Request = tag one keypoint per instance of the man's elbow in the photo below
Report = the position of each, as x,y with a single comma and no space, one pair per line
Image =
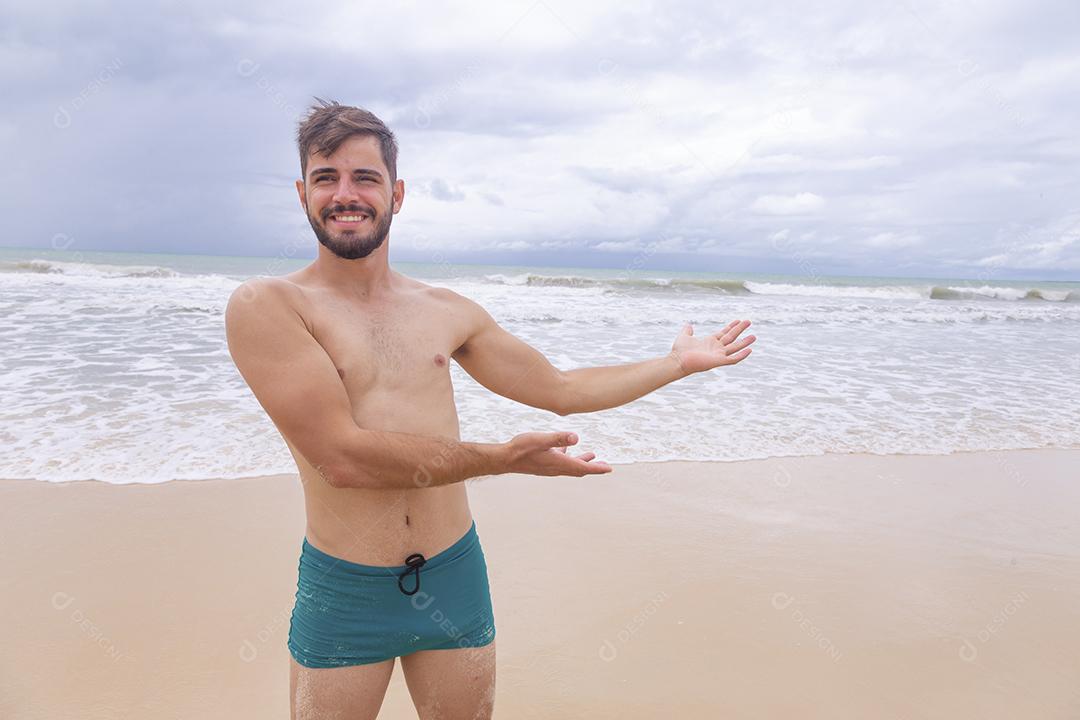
330,474
577,403
563,409
341,475
344,460
563,395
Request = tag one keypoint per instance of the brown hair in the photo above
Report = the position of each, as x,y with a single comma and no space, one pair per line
328,124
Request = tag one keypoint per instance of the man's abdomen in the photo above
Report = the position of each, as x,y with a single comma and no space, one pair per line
383,527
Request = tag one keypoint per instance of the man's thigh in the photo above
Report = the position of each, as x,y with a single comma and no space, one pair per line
454,684
355,692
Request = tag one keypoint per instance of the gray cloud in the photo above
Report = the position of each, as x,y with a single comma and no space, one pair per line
907,137
441,190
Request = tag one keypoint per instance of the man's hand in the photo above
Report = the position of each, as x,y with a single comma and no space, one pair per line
698,354
544,453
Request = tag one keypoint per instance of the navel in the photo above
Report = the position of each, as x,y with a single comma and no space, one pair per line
439,359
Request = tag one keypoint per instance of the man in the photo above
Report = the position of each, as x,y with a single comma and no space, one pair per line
350,359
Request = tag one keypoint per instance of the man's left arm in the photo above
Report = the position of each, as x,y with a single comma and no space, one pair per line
510,367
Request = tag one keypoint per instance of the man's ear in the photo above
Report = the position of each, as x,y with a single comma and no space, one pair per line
399,195
300,192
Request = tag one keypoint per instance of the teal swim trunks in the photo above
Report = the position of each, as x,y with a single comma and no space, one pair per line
352,614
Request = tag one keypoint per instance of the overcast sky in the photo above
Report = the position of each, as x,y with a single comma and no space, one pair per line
900,138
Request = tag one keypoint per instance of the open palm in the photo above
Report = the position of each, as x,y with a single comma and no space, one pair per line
705,352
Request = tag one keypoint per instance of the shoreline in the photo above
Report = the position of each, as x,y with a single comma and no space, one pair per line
771,458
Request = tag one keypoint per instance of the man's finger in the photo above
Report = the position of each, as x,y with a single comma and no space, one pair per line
734,332
563,439
721,333
732,359
736,347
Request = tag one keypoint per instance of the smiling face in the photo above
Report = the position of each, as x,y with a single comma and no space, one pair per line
349,199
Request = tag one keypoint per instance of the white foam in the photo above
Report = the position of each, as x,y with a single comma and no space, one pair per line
56,267
127,378
896,292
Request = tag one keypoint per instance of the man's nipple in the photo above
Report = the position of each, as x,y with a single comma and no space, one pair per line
439,359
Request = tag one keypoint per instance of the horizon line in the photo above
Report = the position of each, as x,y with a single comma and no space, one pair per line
279,256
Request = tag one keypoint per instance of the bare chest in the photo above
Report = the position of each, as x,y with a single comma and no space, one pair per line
394,361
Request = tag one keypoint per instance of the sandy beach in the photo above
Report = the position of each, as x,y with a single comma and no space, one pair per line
807,281
836,586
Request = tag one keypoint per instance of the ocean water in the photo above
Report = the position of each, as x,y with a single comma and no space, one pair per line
115,365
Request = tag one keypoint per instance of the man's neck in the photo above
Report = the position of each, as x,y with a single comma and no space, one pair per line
367,277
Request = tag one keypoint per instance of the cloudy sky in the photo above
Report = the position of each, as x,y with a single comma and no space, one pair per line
895,138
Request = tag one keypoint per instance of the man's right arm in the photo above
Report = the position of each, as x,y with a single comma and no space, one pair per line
297,384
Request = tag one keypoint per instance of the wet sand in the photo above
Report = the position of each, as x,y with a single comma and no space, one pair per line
842,586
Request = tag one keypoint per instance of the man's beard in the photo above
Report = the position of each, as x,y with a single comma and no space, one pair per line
351,244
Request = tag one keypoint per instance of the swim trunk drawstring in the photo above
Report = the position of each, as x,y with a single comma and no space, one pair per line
415,562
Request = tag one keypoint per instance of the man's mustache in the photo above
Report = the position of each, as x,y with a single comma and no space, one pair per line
351,209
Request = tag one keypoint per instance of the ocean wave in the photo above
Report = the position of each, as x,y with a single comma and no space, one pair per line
577,281
883,292
824,290
53,267
619,284
987,292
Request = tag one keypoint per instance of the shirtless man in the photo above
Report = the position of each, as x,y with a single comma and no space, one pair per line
350,359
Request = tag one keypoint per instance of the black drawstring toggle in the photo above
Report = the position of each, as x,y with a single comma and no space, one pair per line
415,562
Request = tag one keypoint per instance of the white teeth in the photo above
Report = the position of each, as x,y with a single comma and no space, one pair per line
349,218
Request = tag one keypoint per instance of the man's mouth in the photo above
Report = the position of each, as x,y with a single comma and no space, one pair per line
349,219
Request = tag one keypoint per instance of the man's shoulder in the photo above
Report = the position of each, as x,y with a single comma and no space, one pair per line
265,294
449,297
261,289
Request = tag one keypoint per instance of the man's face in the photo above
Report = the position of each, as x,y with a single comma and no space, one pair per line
348,197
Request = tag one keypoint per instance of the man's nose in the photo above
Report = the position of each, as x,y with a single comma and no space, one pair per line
345,192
